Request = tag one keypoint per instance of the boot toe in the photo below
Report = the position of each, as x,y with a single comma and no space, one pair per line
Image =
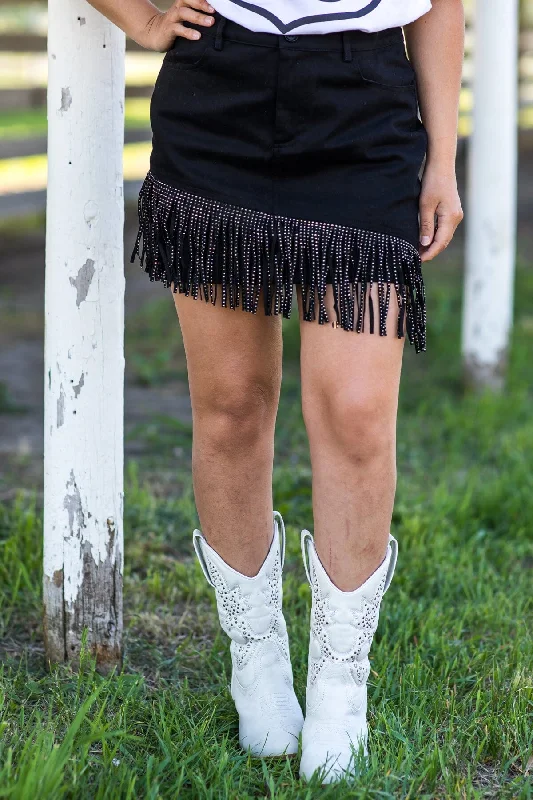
271,741
271,726
332,767
334,763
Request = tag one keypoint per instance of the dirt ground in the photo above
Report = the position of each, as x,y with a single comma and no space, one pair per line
22,271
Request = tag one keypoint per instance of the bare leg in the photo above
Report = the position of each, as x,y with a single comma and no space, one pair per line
350,385
234,365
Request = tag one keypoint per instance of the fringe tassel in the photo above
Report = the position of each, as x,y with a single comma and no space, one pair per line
190,241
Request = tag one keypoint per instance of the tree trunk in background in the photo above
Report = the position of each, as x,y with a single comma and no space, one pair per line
491,204
84,334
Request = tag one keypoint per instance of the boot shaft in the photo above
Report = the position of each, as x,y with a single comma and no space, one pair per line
343,623
249,608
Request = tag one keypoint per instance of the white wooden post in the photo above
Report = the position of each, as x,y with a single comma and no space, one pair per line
84,331
491,203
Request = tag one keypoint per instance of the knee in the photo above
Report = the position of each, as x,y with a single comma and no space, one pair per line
237,414
359,424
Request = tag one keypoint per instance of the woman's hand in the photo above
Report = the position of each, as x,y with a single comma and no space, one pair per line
435,43
440,211
162,28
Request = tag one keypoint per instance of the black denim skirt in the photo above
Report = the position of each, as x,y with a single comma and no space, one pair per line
281,160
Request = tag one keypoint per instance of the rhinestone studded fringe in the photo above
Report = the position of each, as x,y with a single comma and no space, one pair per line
187,241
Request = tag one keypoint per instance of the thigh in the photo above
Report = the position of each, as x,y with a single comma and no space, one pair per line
228,351
358,368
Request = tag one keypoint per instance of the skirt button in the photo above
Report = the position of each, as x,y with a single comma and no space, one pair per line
292,38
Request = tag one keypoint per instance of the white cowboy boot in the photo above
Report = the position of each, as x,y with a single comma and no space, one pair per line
250,612
342,629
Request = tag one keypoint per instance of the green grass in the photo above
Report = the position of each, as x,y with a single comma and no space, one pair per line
451,689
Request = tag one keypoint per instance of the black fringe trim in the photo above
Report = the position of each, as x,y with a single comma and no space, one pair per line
189,240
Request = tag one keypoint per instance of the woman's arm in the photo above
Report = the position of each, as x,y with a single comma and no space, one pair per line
154,29
435,44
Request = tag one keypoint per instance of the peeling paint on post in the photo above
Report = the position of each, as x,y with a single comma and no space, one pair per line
84,332
82,281
66,99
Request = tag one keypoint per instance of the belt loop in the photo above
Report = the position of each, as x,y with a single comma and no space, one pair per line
346,47
218,33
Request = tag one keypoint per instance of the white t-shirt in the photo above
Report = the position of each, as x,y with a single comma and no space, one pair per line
321,16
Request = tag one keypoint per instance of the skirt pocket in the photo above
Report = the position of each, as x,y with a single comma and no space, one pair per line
387,67
187,53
